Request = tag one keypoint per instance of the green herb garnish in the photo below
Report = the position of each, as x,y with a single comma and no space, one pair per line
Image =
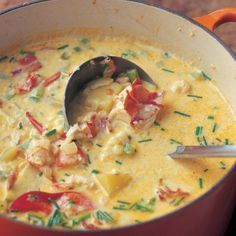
3,76
94,171
88,158
123,202
118,162
63,47
77,49
194,96
76,221
33,219
175,141
222,165
200,182
3,58
20,125
129,53
51,132
210,117
128,149
34,99
145,140
205,76
103,216
198,130
84,40
99,145
177,202
204,140
167,70
132,74
182,114
226,141
214,128
60,113
144,206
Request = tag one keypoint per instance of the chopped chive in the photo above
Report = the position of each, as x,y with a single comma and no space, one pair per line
60,113
194,96
79,219
200,182
103,216
118,162
40,174
205,170
167,70
138,221
65,56
179,201
226,141
12,59
23,52
20,125
84,40
123,202
214,128
63,47
128,149
52,219
157,123
89,160
51,132
175,141
3,58
162,129
129,53
182,114
167,55
222,165
34,98
66,174
199,140
219,140
95,171
210,117
204,139
99,145
205,76
119,208
77,49
145,140
198,130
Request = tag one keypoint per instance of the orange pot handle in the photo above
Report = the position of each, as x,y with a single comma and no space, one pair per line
216,18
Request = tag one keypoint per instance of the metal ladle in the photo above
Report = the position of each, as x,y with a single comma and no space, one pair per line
93,69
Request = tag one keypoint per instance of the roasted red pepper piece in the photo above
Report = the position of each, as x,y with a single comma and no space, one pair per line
33,67
51,79
92,126
38,201
35,123
89,226
27,59
30,83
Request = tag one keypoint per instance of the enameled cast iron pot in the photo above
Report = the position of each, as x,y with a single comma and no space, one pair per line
207,215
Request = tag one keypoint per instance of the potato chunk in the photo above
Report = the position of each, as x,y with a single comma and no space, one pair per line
10,154
111,183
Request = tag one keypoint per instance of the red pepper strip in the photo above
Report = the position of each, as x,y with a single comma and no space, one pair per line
82,154
35,123
51,79
89,226
27,59
38,201
30,83
92,126
1,103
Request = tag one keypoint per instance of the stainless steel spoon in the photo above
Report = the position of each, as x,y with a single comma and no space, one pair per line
91,70
204,151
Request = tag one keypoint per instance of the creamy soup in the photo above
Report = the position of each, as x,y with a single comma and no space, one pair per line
111,168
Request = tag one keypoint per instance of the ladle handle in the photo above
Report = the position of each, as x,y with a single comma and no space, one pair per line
204,151
217,18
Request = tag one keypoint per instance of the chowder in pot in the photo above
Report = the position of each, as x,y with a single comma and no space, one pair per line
112,167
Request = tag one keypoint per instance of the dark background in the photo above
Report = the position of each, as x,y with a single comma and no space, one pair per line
191,8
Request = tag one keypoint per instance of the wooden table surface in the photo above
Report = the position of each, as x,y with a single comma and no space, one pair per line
191,8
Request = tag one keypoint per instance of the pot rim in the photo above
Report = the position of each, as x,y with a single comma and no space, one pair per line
172,213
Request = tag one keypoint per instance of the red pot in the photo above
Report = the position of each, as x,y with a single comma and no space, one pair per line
209,214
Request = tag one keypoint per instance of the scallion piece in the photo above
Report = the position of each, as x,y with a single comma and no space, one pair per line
23,52
145,140
132,74
205,76
204,140
175,141
79,219
103,216
182,113
194,96
210,117
167,70
200,182
63,47
51,132
94,171
198,130
118,162
128,149
222,165
214,128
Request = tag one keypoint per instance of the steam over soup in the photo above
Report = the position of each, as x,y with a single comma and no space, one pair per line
111,168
